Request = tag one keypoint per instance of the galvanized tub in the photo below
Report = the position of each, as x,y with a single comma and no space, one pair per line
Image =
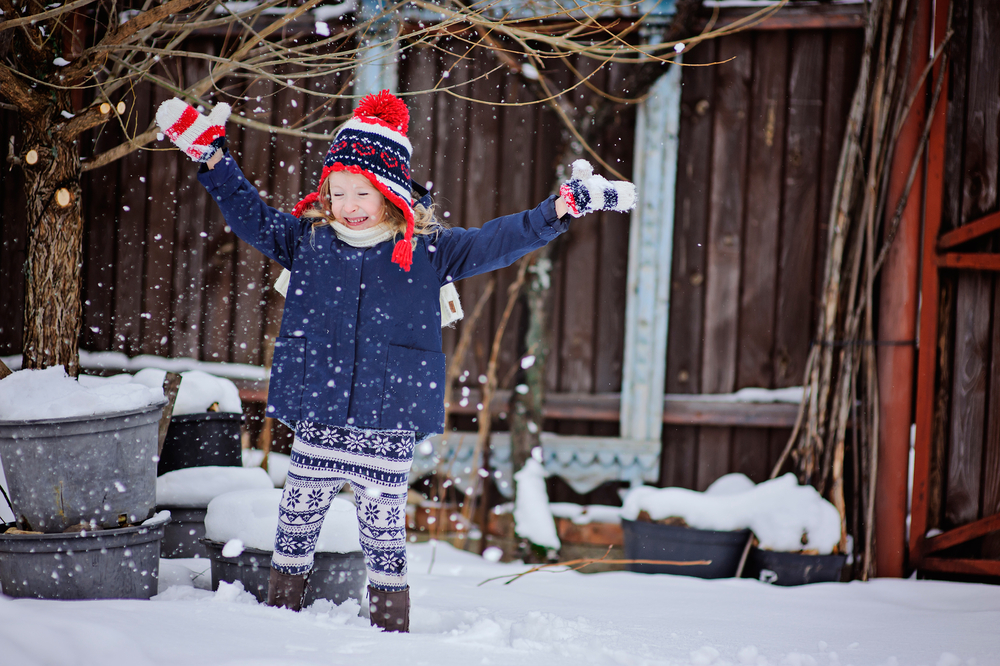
66,471
335,576
104,564
184,534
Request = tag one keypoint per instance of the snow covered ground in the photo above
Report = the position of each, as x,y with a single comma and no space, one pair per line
545,618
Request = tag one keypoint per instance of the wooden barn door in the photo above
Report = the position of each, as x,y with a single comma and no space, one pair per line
955,517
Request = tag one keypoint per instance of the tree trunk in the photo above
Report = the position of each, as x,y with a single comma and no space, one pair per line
53,310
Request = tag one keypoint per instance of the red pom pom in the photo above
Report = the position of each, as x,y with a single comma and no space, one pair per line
386,107
402,254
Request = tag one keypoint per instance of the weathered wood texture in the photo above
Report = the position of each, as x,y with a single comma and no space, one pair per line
967,471
760,138
758,142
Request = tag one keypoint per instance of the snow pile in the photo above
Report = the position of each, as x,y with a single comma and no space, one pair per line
198,391
782,514
277,464
252,517
532,516
591,513
33,395
792,394
195,487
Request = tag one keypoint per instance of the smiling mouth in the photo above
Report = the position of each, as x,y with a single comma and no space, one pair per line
355,221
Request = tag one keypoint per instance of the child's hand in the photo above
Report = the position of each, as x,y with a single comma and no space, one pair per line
585,192
200,137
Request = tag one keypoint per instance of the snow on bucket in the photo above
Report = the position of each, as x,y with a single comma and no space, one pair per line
98,469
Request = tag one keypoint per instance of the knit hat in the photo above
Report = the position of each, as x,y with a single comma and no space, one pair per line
373,143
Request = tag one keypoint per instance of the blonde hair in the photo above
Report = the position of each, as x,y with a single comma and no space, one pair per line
425,223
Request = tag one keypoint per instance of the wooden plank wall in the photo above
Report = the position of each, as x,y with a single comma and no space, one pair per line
760,140
759,143
967,467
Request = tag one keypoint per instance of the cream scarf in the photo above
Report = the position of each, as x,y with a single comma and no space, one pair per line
451,307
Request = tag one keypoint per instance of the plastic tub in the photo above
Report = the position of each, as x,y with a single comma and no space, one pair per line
335,576
182,537
652,541
784,568
199,440
121,563
66,471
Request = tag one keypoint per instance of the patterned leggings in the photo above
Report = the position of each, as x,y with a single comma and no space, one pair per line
377,464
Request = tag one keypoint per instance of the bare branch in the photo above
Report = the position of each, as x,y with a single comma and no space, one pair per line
43,16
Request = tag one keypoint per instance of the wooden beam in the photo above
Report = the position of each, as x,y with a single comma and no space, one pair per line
971,567
815,17
963,534
980,227
970,261
678,409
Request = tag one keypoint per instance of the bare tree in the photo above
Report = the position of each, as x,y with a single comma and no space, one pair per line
66,69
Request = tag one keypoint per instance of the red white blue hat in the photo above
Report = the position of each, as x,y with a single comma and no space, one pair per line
373,143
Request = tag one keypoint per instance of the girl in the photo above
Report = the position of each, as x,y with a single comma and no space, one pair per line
358,368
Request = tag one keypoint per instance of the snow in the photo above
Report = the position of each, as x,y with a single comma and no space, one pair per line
550,619
118,361
532,516
252,517
197,392
277,464
792,394
50,394
782,514
195,487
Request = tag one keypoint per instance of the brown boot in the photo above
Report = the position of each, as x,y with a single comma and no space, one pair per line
286,591
390,611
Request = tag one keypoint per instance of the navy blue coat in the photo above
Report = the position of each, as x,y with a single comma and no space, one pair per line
360,340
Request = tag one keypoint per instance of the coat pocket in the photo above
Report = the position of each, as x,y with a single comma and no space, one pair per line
284,392
413,396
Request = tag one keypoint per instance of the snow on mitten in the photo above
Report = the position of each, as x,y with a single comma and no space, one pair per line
586,192
198,136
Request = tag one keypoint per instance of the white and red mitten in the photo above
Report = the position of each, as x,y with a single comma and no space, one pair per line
198,136
585,192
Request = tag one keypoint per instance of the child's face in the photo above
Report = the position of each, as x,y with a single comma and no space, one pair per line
354,201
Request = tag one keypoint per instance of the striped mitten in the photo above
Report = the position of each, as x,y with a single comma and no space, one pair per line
585,192
198,136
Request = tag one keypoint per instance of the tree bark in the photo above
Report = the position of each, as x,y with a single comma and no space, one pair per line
53,310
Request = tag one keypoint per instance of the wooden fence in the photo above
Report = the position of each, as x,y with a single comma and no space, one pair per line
760,137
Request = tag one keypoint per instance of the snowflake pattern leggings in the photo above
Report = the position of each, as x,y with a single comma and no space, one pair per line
377,464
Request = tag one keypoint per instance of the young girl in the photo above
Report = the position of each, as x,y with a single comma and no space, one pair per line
357,368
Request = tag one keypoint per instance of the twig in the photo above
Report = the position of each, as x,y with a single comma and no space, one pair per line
576,565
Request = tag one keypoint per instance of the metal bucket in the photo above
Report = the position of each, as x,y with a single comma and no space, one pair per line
103,564
200,440
335,576
653,541
66,471
183,535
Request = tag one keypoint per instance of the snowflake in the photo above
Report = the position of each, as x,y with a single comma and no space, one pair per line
286,543
292,496
307,430
355,442
389,562
371,514
403,448
382,444
393,516
315,498
328,436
